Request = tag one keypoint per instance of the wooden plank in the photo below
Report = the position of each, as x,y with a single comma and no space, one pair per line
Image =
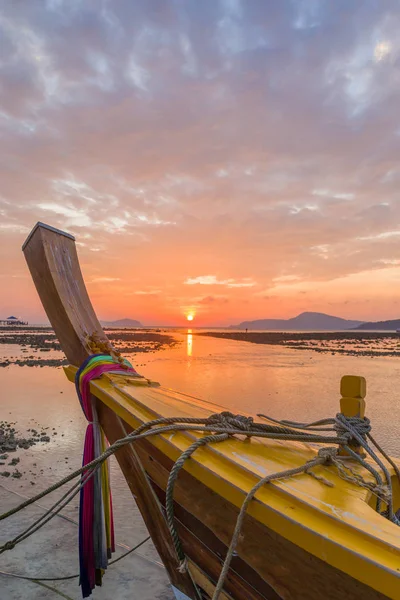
204,549
291,572
204,582
197,550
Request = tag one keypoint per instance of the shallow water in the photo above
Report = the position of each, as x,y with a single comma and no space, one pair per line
278,381
281,382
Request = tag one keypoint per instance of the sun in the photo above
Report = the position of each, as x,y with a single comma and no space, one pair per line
190,317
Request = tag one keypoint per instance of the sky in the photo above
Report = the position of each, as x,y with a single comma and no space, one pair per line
228,159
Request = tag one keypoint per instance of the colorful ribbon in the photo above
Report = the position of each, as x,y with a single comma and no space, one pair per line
96,525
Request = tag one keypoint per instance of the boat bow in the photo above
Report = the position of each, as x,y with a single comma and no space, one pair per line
304,538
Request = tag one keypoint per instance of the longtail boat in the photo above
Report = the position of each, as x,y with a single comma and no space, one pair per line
323,533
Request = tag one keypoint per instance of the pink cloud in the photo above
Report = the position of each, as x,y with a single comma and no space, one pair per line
177,144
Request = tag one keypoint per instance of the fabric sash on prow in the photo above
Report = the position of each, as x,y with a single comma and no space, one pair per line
96,525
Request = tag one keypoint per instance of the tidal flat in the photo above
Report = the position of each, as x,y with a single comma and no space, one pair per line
350,343
39,347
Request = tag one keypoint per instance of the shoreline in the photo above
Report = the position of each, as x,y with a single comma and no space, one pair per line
349,343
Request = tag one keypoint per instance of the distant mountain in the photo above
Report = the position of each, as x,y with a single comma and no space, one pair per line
306,321
382,325
122,323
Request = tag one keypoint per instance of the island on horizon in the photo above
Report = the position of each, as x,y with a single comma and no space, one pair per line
122,323
306,321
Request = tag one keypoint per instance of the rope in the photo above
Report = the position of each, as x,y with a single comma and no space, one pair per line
66,577
357,431
355,425
74,522
48,514
53,589
353,428
180,424
349,432
173,425
232,546
385,455
169,504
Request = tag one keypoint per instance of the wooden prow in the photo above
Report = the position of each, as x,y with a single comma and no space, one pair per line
53,262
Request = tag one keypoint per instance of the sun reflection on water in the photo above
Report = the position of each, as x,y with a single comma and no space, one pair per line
189,348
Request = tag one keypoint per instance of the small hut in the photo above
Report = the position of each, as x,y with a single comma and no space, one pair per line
12,321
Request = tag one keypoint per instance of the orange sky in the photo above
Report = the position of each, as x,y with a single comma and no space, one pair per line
237,160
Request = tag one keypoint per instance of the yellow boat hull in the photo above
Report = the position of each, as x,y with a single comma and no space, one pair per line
302,539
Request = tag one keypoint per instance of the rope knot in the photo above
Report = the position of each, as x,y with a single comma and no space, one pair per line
9,545
383,491
328,454
228,419
352,428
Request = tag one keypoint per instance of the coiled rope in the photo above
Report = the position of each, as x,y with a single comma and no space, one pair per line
358,432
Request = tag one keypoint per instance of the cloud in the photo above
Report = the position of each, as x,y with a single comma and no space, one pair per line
204,138
380,236
214,300
331,194
147,292
74,216
213,280
104,279
13,228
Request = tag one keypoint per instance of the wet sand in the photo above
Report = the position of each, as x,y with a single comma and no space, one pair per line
41,437
25,346
12,440
31,343
350,343
53,552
